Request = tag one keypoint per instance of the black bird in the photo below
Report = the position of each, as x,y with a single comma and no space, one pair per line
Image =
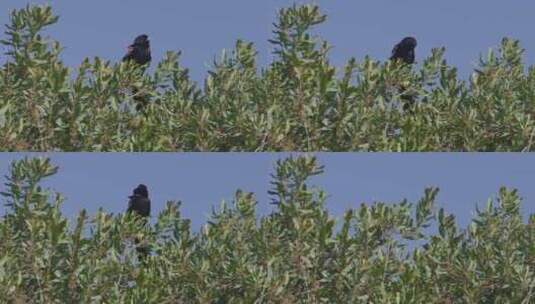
139,202
404,50
139,51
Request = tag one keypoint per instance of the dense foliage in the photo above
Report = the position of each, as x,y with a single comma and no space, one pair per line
298,102
376,253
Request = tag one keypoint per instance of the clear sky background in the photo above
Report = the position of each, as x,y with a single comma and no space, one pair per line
202,28
201,180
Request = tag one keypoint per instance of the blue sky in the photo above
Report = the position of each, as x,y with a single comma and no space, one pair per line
203,180
202,28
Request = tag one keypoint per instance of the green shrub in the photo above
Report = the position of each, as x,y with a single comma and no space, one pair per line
299,102
376,253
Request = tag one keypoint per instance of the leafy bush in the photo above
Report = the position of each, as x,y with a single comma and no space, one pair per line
298,102
378,253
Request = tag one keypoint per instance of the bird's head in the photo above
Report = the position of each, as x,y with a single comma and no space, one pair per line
141,40
141,190
409,42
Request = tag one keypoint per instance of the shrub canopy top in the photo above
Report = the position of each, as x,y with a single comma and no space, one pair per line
299,102
375,253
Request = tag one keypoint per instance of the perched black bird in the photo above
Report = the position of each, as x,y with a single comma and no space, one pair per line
139,202
139,51
405,50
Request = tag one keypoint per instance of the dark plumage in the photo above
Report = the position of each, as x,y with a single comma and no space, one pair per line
139,51
405,50
139,202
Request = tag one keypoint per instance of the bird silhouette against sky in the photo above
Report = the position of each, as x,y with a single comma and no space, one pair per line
404,50
139,51
139,202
